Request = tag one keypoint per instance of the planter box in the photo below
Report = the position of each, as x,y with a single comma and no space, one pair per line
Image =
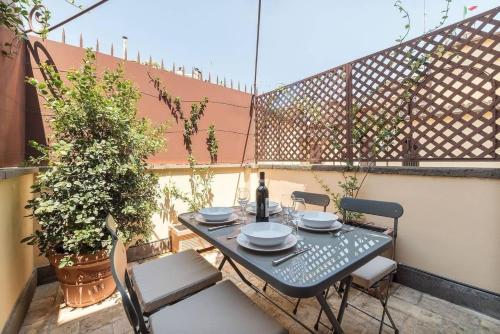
182,238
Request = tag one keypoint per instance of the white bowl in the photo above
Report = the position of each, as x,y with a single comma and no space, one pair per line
266,234
319,219
216,213
273,206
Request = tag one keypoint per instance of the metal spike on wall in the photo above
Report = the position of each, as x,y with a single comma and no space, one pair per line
209,77
217,80
138,57
63,36
251,90
81,40
173,67
97,46
112,49
162,67
245,88
239,86
231,83
150,61
224,81
183,70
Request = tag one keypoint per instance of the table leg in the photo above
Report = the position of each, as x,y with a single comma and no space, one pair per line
328,311
336,321
222,263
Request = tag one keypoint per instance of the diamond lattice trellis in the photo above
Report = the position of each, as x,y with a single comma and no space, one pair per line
431,98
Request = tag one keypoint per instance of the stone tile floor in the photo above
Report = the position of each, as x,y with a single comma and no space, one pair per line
413,311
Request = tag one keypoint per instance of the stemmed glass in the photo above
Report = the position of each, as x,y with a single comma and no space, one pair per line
298,212
243,198
287,207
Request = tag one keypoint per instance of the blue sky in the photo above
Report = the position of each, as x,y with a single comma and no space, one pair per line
298,37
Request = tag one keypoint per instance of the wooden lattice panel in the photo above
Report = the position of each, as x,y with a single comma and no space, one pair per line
294,120
370,110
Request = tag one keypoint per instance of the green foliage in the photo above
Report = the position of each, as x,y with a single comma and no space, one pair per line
212,144
97,162
200,192
191,123
14,14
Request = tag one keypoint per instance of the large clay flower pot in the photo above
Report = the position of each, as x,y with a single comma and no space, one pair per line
86,282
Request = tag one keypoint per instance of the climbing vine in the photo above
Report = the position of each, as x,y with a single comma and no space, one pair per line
212,144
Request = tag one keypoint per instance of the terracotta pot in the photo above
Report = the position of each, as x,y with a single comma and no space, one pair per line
86,282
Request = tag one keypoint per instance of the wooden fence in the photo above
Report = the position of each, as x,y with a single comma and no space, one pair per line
431,98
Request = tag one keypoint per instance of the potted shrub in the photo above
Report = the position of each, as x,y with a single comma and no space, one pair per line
96,165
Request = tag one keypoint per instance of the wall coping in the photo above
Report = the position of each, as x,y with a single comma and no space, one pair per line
11,172
159,167
478,172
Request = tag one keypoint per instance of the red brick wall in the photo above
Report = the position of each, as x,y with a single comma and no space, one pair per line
227,109
12,73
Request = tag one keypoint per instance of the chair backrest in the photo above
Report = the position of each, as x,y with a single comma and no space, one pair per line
313,198
111,226
376,208
124,287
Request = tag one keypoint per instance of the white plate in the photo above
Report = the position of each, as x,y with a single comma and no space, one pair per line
266,234
318,219
335,226
289,242
251,210
199,218
216,213
272,205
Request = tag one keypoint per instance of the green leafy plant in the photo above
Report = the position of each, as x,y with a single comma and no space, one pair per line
200,179
200,188
212,144
97,162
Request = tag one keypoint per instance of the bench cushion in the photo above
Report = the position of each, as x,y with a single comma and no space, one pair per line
373,271
165,280
220,309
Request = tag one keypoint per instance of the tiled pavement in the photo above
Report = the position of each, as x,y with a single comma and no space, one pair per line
414,312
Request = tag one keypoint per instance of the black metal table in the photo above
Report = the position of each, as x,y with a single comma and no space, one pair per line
330,259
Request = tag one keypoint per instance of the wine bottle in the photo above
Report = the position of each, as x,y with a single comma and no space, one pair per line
262,201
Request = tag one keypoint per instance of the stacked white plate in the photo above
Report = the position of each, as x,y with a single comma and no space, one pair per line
216,215
266,237
319,221
274,208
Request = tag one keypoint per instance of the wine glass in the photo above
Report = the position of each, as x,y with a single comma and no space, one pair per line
286,207
243,197
298,212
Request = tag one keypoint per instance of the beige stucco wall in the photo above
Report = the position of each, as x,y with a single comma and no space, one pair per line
226,182
451,225
16,259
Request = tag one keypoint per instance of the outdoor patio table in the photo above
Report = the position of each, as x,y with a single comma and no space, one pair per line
330,259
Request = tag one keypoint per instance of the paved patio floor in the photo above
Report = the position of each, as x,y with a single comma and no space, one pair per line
414,312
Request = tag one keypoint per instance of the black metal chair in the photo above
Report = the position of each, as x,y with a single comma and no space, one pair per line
372,275
166,280
313,199
221,308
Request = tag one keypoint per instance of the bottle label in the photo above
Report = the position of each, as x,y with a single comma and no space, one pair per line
266,210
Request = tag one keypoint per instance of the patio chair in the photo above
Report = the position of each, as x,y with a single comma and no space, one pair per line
372,275
166,280
313,199
219,309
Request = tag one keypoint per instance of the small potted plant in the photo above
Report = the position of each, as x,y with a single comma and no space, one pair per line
96,165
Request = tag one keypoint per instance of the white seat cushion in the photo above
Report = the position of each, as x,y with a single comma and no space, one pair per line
162,281
373,271
220,309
